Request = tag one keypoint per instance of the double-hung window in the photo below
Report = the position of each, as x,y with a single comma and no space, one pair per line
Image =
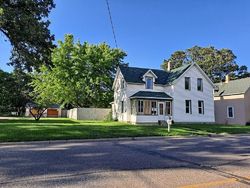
188,105
168,108
122,106
230,112
153,108
122,83
187,83
199,84
140,107
149,83
201,107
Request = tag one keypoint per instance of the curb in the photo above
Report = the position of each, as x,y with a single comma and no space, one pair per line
116,139
83,140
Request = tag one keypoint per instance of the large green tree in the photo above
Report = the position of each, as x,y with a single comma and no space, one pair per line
81,76
14,91
25,24
215,62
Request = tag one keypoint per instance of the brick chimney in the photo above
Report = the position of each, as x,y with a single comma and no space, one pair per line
227,78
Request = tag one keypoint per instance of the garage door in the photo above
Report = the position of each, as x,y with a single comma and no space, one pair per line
52,113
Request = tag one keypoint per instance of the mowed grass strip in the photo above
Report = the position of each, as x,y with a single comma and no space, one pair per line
64,129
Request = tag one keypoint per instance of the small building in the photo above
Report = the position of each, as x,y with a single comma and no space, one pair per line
144,95
52,111
232,101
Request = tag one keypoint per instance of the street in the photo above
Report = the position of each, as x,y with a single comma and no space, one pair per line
186,162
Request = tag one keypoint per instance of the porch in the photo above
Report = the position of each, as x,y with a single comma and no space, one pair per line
150,107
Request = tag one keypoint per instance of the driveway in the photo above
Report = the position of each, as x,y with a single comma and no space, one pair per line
161,162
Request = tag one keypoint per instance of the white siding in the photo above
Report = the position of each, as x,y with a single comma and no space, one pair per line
120,95
180,95
176,91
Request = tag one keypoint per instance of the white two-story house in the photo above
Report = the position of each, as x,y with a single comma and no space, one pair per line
143,95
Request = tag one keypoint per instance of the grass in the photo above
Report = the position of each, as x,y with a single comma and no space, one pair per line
58,129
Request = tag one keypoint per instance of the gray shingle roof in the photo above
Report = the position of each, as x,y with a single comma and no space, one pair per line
150,95
233,87
135,74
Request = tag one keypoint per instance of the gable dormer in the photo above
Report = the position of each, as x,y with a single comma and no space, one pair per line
149,78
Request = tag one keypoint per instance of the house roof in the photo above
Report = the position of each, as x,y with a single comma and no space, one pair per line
150,95
234,87
135,74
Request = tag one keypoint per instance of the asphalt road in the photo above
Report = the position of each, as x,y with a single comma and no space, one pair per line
161,162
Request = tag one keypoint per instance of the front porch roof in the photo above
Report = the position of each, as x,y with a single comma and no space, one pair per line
151,95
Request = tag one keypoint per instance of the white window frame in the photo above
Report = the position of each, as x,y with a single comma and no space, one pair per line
228,111
190,107
146,82
154,109
122,83
140,105
189,83
122,107
170,108
201,84
201,107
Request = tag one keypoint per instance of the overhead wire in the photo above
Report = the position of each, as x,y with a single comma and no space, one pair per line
111,22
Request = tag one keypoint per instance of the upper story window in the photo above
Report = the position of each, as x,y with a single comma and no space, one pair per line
199,84
187,83
149,83
230,112
123,84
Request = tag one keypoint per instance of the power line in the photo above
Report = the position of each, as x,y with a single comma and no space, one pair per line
112,25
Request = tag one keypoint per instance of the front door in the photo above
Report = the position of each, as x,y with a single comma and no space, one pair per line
161,111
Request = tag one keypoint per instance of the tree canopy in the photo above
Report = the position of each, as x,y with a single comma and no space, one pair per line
25,24
14,91
215,62
81,76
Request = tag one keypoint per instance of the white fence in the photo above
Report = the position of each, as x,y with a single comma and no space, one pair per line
88,113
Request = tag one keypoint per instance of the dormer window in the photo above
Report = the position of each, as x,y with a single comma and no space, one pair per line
149,83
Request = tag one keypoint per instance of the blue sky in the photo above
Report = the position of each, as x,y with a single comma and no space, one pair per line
150,30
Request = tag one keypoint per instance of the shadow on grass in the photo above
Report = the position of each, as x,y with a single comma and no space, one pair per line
41,121
214,128
64,129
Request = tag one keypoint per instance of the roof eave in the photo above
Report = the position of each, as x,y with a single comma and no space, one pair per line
162,98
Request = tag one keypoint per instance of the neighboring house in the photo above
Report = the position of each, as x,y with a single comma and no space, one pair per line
232,101
53,111
144,95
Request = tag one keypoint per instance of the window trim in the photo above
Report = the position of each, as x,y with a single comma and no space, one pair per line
232,112
155,109
170,108
140,107
189,83
201,107
122,84
146,83
201,84
122,107
190,106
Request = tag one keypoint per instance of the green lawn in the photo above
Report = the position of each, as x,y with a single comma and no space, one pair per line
57,129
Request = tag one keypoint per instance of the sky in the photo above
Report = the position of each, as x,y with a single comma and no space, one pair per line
149,31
